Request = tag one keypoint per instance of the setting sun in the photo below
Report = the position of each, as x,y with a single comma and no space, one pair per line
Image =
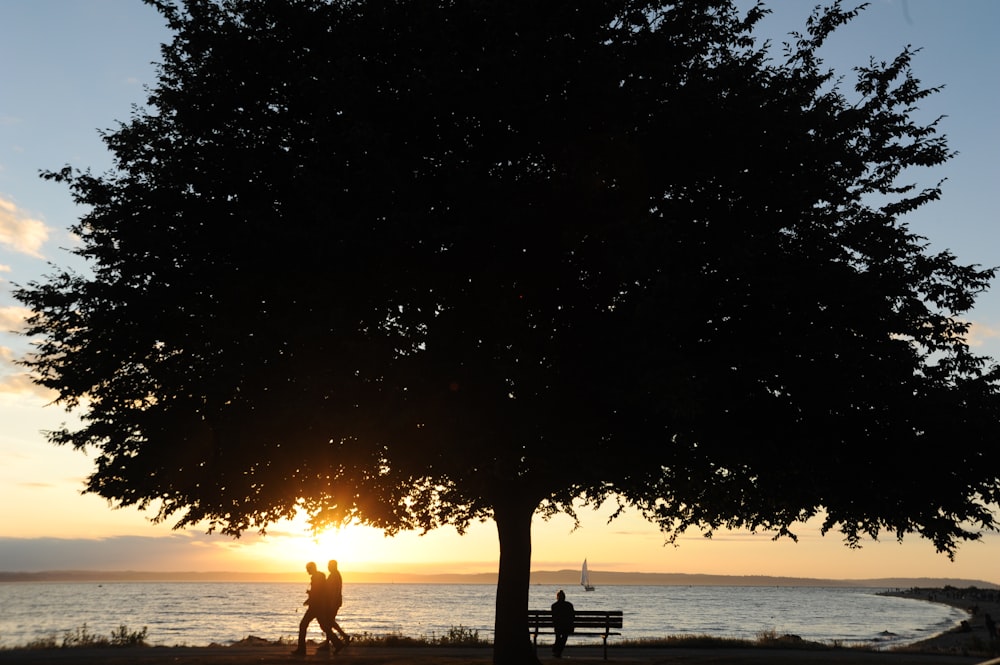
292,544
288,546
358,544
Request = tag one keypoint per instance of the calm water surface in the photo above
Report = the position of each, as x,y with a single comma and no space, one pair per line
196,614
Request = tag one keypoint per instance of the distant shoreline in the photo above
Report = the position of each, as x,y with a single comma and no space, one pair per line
558,577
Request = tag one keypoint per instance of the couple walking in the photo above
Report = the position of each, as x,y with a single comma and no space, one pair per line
323,601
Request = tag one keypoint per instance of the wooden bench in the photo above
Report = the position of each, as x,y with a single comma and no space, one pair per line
599,623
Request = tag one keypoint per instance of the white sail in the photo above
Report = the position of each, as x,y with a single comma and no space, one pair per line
585,578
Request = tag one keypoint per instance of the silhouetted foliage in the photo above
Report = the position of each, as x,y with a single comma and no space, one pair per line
426,262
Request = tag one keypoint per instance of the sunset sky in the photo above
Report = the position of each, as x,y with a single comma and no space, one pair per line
69,68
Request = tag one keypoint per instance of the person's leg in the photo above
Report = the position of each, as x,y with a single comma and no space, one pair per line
335,642
303,627
558,645
336,626
332,641
324,625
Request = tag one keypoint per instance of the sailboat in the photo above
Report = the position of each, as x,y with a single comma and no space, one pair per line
585,578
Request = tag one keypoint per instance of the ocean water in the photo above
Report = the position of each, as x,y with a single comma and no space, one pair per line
198,614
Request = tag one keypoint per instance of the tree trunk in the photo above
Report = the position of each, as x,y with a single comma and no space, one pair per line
511,644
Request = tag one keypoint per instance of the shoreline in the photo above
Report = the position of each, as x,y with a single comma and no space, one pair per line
970,636
965,644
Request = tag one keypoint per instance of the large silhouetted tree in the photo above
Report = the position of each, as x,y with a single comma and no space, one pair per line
427,262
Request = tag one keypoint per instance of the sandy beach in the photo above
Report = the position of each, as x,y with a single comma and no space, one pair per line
965,645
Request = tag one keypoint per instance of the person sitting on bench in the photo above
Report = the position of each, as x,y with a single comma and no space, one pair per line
562,622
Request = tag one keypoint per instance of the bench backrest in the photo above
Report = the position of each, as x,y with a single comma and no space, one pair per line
606,619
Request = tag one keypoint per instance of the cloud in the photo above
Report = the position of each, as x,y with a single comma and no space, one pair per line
981,334
6,358
183,551
20,232
177,551
20,383
11,318
14,380
36,485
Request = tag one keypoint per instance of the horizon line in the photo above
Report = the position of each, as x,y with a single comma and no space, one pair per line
568,577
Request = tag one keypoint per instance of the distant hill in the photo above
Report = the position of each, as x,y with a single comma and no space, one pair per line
571,577
567,578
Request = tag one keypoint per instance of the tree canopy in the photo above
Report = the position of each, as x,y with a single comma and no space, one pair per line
427,262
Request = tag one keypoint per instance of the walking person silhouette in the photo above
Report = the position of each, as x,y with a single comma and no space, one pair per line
317,602
335,598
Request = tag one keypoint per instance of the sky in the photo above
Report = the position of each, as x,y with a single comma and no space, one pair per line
71,68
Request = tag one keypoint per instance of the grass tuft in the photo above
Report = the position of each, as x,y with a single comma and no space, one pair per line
457,636
769,639
82,638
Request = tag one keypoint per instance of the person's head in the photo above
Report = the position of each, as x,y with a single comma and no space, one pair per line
332,565
311,567
560,595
